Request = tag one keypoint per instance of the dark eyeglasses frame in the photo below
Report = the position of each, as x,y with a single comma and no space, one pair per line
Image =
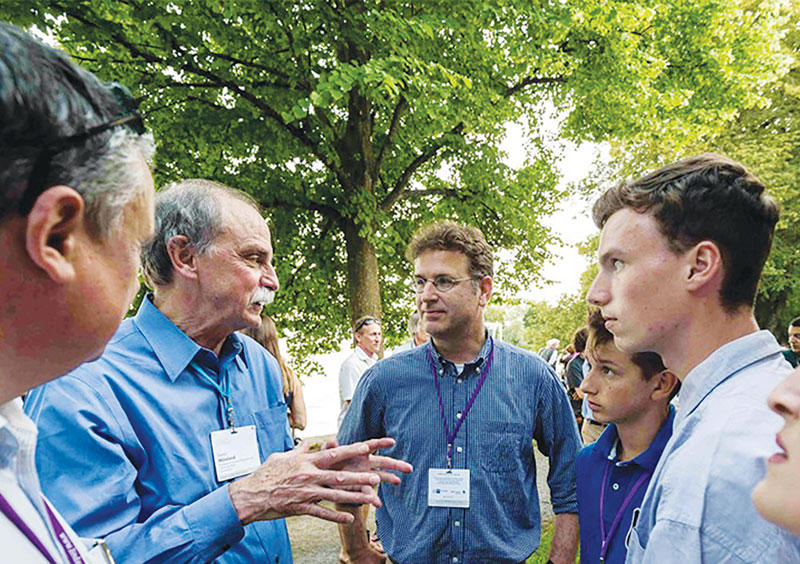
36,184
366,322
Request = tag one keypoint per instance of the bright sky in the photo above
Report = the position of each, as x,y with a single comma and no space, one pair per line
571,222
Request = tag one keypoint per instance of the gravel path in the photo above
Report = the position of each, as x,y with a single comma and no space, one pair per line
315,541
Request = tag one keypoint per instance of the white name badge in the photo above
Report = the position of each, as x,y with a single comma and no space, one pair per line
235,452
448,488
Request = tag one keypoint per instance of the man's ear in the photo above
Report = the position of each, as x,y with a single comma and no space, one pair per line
704,265
54,230
665,381
485,289
183,256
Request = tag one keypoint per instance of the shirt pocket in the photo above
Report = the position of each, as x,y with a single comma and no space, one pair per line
501,447
271,429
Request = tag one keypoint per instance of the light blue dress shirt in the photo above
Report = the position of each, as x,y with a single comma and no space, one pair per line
521,401
697,508
124,446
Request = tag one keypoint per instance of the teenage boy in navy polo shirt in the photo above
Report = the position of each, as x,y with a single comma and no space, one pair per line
632,393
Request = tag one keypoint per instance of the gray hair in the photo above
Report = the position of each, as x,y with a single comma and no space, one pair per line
192,208
44,98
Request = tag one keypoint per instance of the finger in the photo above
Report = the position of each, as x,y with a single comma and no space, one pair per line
338,478
329,457
383,442
385,463
327,514
348,497
389,478
330,443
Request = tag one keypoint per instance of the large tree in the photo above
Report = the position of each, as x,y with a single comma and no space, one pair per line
356,121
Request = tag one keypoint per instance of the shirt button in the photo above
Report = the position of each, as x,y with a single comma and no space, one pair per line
459,380
615,487
457,523
455,559
458,415
459,449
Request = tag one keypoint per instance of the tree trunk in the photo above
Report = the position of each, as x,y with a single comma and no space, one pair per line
362,274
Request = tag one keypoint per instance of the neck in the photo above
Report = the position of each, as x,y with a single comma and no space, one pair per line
365,351
189,315
462,348
636,436
703,335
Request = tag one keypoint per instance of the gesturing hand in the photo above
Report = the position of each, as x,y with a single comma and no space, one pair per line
291,483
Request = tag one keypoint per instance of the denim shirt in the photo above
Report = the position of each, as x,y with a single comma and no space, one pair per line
521,401
698,506
124,445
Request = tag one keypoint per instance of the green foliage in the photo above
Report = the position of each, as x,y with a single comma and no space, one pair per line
356,122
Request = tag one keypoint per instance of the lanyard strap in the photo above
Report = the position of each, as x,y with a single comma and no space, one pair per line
451,436
615,523
61,535
224,391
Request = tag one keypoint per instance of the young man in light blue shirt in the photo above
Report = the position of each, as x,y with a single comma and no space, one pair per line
680,253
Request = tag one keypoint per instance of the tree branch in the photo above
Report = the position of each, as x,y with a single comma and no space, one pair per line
530,80
425,156
398,110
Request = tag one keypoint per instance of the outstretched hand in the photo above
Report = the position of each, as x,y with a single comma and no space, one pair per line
291,483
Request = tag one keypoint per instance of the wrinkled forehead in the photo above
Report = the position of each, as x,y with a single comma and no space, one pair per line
242,222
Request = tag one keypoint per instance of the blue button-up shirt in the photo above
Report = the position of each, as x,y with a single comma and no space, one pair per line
698,507
521,400
124,446
622,477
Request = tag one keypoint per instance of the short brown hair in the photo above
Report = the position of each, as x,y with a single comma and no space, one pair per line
452,236
649,363
706,197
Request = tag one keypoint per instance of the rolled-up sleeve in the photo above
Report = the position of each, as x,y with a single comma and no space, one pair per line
556,435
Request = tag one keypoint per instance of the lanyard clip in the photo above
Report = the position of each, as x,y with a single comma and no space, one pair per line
450,456
230,416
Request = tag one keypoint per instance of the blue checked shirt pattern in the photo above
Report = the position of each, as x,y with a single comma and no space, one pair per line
521,400
697,507
124,446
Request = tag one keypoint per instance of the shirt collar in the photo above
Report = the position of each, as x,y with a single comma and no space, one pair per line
441,362
363,356
608,441
722,364
173,348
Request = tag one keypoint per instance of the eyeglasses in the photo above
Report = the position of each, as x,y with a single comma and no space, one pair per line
131,118
441,283
365,322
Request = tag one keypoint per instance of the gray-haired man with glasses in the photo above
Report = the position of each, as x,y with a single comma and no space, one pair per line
466,410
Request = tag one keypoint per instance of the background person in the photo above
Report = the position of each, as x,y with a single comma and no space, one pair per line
171,444
791,355
266,335
416,332
631,394
76,201
368,337
777,496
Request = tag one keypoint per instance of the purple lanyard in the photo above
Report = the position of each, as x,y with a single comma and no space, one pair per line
451,437
61,534
614,524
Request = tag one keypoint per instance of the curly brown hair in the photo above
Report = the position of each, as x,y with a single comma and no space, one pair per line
452,236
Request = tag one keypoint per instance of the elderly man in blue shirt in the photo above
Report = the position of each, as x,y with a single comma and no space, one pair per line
171,444
465,409
681,252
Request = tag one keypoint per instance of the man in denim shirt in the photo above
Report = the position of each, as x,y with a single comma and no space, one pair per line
465,409
680,255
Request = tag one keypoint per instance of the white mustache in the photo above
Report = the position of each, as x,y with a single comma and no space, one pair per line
263,296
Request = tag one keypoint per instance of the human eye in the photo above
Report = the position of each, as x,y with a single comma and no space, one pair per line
607,370
419,283
443,283
616,265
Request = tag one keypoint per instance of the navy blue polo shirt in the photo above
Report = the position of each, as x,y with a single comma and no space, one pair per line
592,462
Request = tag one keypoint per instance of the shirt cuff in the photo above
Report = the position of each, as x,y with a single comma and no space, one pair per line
214,523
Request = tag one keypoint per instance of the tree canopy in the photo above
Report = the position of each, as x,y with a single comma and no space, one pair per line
354,122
